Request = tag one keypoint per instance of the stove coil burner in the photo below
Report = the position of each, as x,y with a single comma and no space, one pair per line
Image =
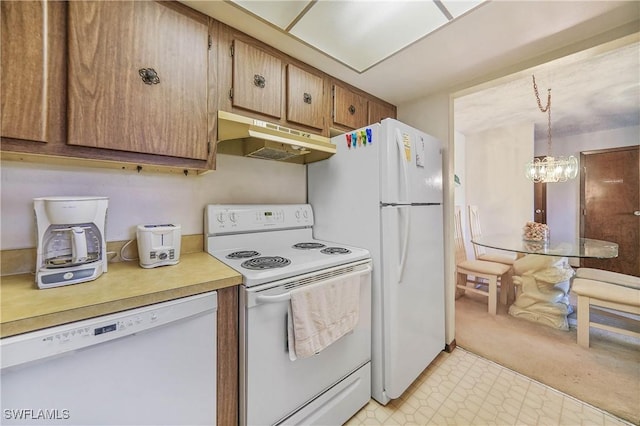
266,262
308,246
335,250
243,254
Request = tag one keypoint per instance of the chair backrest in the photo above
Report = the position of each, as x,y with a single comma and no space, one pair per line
461,252
476,231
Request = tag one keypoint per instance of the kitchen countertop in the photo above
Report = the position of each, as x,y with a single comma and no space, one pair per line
125,286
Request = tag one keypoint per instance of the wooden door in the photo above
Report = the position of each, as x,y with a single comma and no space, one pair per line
349,108
610,196
31,58
540,201
378,111
257,80
305,97
138,77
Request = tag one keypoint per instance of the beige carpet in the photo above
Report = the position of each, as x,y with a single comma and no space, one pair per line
607,375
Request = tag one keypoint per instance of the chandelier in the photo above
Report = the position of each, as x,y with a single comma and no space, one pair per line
550,169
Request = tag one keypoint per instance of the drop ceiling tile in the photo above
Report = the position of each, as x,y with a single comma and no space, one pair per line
358,33
457,8
363,33
277,12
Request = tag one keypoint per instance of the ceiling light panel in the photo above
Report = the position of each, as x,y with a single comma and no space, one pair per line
279,13
457,8
362,33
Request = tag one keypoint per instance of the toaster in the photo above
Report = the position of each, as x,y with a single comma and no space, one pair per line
158,245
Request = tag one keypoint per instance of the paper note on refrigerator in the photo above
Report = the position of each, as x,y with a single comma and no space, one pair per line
420,153
407,146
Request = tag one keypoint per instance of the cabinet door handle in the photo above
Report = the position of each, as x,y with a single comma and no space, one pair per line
149,75
259,81
306,98
352,109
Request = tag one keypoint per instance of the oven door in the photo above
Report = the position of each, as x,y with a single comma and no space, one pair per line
272,386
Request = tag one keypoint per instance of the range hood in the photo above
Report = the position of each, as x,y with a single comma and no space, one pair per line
239,135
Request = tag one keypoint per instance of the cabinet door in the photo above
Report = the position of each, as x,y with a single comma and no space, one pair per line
379,111
305,98
257,80
349,108
138,78
26,59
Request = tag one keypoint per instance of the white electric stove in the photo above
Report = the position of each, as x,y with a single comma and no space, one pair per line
272,246
269,243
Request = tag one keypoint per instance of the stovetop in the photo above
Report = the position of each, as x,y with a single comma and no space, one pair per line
266,262
270,243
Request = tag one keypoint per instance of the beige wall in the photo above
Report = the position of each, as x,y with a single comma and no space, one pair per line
495,179
144,198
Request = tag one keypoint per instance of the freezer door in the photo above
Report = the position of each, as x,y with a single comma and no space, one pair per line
411,165
413,293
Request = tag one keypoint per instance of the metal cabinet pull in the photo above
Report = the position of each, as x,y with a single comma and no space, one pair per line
149,75
259,81
352,109
306,98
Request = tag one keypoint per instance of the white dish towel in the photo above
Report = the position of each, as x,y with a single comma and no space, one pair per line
321,314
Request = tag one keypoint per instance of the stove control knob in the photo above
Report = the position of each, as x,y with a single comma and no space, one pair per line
297,214
233,217
305,214
220,217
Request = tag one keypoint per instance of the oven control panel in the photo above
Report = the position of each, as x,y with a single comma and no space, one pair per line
221,219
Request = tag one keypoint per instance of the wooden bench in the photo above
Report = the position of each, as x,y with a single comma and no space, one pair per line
611,290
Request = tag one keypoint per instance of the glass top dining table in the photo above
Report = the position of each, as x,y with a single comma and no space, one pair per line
581,247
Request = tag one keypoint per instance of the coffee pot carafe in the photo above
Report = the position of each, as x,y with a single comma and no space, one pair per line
71,246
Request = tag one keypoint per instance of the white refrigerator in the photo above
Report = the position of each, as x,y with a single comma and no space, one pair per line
382,190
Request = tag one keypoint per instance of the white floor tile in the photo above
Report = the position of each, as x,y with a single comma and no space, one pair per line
463,389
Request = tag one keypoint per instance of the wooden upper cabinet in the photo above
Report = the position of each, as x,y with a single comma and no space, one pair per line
379,111
138,77
305,97
31,60
257,80
349,108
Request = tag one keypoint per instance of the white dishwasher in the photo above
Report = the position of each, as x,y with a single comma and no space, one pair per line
154,365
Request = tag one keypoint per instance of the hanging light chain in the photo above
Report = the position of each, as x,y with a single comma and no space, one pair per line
546,109
550,169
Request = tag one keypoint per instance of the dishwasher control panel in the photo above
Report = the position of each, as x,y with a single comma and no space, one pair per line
41,344
121,326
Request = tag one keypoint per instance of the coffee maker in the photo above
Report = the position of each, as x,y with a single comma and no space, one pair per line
71,246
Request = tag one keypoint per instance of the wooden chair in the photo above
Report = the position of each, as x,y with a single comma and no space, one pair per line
490,271
479,251
605,289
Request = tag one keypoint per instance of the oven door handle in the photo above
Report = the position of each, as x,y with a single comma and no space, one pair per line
287,296
273,299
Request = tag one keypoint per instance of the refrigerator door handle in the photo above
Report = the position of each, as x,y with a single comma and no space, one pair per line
403,165
405,239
